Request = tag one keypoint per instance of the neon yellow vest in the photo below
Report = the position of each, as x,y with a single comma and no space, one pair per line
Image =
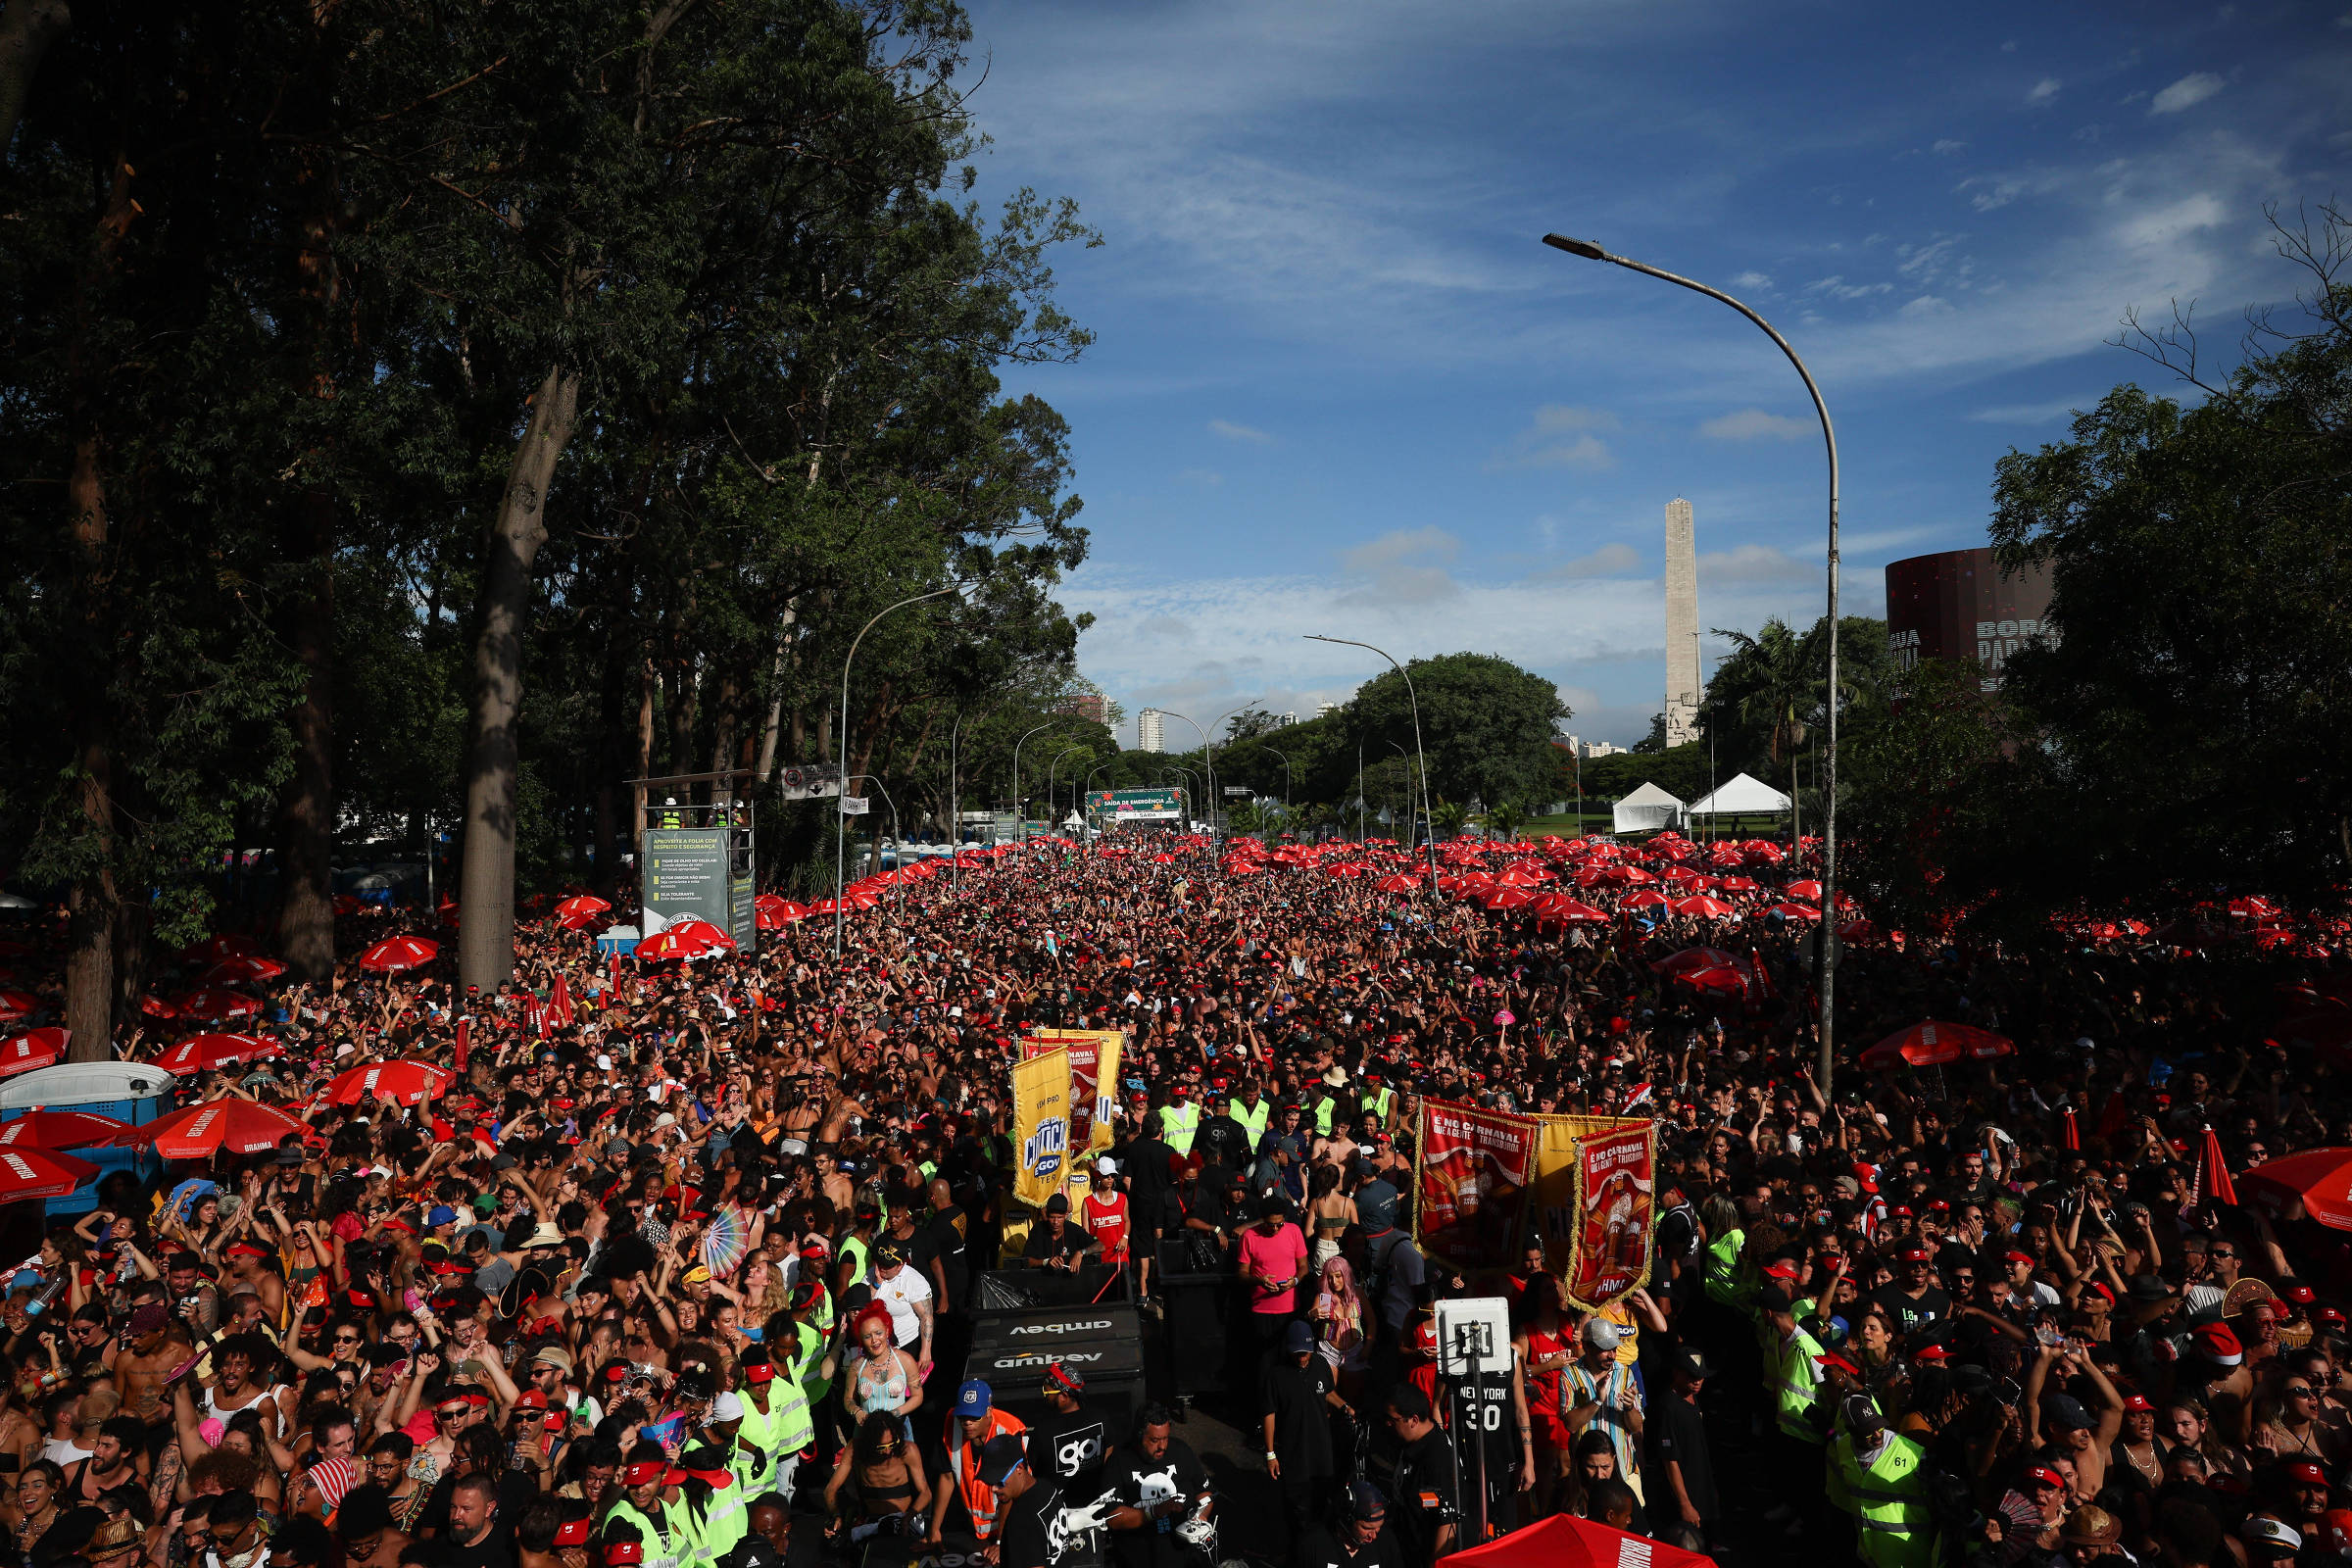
662,1548
1793,1377
1178,1123
1253,1125
1721,1271
1888,1499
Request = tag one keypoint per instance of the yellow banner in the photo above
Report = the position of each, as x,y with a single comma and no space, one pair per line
1556,1214
1094,1078
1040,1126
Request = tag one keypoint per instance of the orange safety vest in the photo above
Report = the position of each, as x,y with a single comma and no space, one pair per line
979,1497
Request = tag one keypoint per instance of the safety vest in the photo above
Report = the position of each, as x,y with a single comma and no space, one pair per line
1253,1124
856,1250
1721,1271
780,1430
726,1518
1379,1102
1323,1110
662,1547
1178,1123
980,1500
1888,1499
1793,1379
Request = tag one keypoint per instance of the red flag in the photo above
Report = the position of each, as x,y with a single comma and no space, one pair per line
2073,1137
558,1004
2212,1176
464,1034
1756,961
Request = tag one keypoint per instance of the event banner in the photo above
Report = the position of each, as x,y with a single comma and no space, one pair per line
1475,1169
1040,1125
1094,1078
1609,1227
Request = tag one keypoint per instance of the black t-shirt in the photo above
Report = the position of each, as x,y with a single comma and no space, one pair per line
1421,1497
1932,1305
1043,1244
1326,1548
1069,1449
945,1237
1141,1482
1224,1141
1295,1395
494,1552
1677,1431
1034,1537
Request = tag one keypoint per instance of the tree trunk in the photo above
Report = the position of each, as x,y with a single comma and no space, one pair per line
27,28
306,822
486,881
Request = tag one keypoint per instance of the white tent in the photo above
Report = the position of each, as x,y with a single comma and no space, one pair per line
1647,808
1742,796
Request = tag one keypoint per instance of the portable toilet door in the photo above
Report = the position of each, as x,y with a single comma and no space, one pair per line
135,1092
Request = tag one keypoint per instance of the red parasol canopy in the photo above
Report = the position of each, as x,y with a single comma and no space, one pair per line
1692,958
775,915
1643,899
240,1126
1561,910
1793,911
406,1081
1704,905
1565,1542
217,1005
32,1051
2317,1179
582,903
243,969
29,1173
229,945
203,1052
1806,888
1721,977
1930,1044
395,953
60,1129
18,1003
703,930
2213,1172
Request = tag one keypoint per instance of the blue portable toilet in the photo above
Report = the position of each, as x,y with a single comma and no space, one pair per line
130,1092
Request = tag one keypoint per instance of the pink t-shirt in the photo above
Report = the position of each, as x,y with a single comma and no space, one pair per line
1280,1256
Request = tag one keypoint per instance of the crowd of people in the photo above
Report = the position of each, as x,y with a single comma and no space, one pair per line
677,1265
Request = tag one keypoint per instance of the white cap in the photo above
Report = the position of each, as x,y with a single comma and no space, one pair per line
1106,1166
604,1063
728,1406
666,1119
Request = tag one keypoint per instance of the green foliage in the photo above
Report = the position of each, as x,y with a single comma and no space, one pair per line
1681,772
1487,724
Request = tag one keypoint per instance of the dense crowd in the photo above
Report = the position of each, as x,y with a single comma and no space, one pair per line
676,1270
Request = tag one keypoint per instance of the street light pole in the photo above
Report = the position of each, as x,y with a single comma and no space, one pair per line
1049,767
1414,698
1021,818
898,881
1827,965
1286,782
841,747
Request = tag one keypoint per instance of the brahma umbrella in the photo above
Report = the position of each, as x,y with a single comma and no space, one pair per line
582,903
60,1129
1395,883
2318,1180
243,969
1931,1044
217,1005
1705,906
395,953
664,947
29,1174
18,1003
1690,958
206,1053
1563,1540
1561,910
1787,911
704,929
32,1051
406,1081
229,945
239,1126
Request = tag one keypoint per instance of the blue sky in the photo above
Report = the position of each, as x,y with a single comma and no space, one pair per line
1340,387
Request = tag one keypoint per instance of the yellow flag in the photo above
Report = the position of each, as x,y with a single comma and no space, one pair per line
1093,1079
1040,1126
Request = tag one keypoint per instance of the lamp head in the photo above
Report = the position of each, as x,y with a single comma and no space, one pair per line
1575,247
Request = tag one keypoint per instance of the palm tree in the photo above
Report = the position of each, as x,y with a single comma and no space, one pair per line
1776,679
1447,818
1506,820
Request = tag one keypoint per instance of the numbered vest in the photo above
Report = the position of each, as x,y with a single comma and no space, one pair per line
1888,1499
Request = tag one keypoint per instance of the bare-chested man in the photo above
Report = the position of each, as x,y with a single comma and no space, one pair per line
158,1347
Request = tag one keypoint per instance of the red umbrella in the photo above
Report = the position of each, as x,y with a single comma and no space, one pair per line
18,1003
1394,883
1793,911
245,967
29,1173
239,1126
1705,907
1930,1044
1561,910
1563,1540
704,930
395,953
217,1003
60,1129
1643,897
212,949
2253,907
26,1052
2213,1172
2318,1179
1807,890
1508,899
1692,958
579,922
663,946
782,913
582,903
1714,977
203,1052
405,1081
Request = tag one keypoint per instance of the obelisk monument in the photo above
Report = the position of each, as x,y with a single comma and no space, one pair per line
1682,625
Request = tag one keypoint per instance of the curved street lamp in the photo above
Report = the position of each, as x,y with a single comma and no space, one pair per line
1286,782
841,743
898,883
1414,698
1827,969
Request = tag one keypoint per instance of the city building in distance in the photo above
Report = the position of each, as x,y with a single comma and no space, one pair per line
1092,707
1148,737
1683,691
1959,604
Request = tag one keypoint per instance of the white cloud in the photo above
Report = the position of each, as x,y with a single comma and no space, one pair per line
1202,478
1402,545
1610,560
1927,305
1946,146
1751,425
2043,91
2189,91
1838,288
1240,432
1407,567
2032,412
1752,280
1560,436
1753,564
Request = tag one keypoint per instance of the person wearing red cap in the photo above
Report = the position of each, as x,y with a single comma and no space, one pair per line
640,1499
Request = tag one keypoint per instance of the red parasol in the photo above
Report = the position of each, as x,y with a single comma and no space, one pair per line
2319,1180
405,1081
60,1129
582,903
1793,911
217,1005
18,1003
395,953
29,1174
244,969
1565,1542
1561,910
239,1126
2213,1173
1705,907
1806,888
665,946
32,1051
212,949
1692,958
1930,1044
704,930
203,1053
